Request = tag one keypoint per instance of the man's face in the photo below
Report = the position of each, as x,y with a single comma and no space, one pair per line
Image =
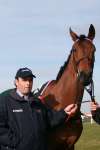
24,85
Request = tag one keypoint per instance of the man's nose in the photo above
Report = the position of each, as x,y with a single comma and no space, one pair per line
27,82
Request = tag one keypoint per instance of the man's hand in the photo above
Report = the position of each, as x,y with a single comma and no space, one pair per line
94,106
71,109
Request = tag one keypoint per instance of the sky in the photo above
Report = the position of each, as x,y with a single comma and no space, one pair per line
35,34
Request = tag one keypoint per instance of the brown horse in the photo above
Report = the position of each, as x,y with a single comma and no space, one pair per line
74,75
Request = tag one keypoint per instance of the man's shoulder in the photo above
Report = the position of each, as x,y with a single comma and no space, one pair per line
3,97
5,93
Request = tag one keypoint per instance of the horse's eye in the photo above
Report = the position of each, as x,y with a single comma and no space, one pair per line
94,48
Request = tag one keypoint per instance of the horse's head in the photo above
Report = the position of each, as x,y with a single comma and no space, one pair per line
83,55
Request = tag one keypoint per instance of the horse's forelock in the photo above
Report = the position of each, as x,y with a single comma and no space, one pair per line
82,37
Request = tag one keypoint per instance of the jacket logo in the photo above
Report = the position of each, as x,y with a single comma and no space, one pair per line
17,110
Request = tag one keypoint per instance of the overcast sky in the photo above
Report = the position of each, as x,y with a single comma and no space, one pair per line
35,34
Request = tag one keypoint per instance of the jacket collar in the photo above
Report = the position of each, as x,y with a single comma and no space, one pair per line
15,94
32,99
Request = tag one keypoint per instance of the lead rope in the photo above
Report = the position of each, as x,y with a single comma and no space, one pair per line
90,90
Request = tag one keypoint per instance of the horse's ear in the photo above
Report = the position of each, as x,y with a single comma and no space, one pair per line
74,36
91,33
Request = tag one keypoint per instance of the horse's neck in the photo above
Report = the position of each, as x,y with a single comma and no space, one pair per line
68,88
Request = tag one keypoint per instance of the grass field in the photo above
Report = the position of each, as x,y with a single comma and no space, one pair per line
90,138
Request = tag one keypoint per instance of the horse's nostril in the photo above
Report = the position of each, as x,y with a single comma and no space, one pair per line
85,78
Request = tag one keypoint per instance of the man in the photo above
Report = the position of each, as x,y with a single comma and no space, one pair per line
24,119
95,110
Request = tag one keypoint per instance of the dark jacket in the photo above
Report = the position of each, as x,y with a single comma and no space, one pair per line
96,115
24,124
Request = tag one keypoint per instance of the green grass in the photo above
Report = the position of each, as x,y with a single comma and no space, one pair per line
90,138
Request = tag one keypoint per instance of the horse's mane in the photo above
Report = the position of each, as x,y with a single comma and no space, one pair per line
62,68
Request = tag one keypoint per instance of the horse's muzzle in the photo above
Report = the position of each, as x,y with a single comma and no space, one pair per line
85,78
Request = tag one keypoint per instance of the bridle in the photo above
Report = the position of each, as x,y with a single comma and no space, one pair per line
76,63
90,88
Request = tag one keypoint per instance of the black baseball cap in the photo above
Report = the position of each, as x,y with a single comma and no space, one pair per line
24,73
